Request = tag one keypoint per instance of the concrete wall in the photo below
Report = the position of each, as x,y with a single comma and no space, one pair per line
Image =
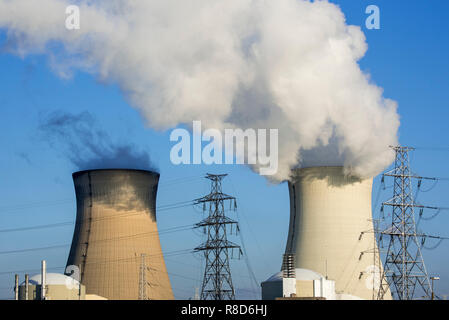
94,297
324,288
272,290
285,287
304,288
328,213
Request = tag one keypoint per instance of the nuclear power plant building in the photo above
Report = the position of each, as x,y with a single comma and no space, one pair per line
116,243
331,234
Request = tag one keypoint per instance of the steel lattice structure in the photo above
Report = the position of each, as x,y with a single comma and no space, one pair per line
404,267
142,278
217,281
375,270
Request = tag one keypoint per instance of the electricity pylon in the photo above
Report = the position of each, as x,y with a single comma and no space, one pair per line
217,281
404,267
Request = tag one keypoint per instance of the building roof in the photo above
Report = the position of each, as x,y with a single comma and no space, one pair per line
52,279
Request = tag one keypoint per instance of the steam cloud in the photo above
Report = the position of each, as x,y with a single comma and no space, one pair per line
288,64
87,146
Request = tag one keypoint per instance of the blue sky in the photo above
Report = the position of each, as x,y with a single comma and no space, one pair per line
408,57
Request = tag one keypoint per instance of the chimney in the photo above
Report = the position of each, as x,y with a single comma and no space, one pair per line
16,287
43,280
27,280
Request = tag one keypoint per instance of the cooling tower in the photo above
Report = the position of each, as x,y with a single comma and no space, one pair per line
331,229
115,226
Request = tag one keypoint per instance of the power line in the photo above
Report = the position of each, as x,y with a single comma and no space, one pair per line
40,204
242,213
432,148
35,249
166,207
34,204
162,231
248,265
45,226
29,270
169,254
137,235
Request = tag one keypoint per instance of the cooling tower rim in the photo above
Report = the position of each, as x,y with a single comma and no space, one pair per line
325,171
79,173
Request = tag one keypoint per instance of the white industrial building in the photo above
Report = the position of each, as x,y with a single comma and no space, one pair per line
51,286
306,284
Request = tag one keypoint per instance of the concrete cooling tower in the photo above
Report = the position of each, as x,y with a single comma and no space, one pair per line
116,243
331,230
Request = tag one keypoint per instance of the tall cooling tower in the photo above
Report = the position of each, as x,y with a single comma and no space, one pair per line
331,229
115,226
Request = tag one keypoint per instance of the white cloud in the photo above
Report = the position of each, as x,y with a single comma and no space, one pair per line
289,64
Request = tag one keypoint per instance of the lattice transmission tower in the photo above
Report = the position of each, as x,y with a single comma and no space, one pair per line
404,267
217,280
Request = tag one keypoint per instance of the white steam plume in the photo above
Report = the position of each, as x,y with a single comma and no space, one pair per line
287,64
